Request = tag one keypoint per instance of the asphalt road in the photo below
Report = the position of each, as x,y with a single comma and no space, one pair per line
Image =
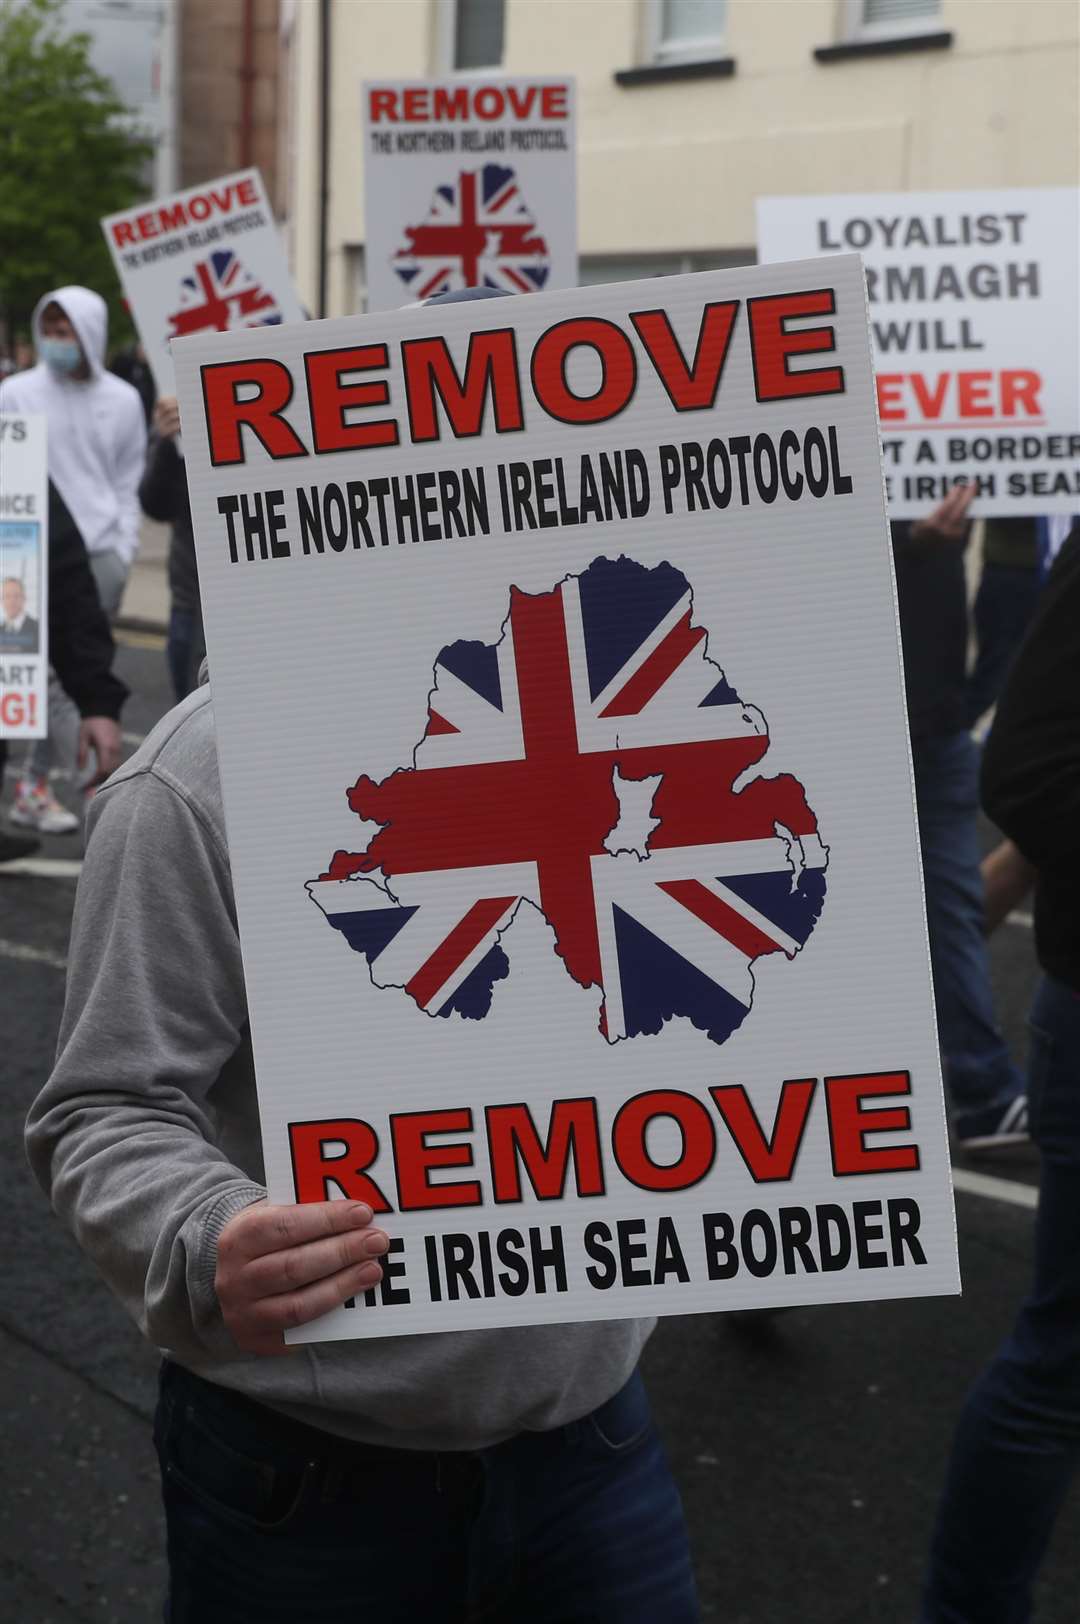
809,1448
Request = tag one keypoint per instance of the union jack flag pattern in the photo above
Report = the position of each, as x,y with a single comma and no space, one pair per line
586,763
220,294
478,233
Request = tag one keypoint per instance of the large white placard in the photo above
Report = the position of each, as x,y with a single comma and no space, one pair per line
468,182
976,324
554,654
206,260
24,577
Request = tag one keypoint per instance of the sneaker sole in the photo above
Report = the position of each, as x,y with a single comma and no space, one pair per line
27,820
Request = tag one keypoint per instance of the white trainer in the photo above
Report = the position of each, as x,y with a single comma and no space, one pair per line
36,807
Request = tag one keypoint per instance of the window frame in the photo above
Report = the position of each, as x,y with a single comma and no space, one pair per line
658,55
446,18
857,31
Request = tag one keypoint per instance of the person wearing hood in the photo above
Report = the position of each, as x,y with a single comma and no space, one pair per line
96,450
510,1473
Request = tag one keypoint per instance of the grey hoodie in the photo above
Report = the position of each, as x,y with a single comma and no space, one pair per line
146,1136
96,429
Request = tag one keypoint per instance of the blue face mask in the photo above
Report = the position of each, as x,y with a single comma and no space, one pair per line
62,354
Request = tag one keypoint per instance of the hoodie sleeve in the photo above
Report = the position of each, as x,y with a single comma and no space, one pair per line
120,1137
130,458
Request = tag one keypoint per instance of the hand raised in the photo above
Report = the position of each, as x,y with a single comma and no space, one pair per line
949,518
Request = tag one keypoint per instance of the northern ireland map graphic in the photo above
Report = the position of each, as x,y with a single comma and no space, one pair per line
479,233
591,761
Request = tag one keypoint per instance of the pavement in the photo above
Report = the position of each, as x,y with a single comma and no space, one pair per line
146,597
809,1448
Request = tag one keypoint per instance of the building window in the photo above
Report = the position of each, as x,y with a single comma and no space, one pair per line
684,30
889,19
595,268
471,34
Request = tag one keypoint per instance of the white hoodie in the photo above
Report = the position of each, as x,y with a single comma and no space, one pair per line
97,430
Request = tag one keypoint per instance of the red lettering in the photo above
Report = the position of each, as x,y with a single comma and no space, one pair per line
490,368
513,1139
850,1121
619,370
247,193
521,101
451,103
1020,389
930,404
890,404
772,345
553,101
698,1140
172,219
383,104
973,394
767,1159
199,207
147,226
329,398
414,1159
690,389
318,1169
226,415
415,101
489,102
123,232
14,710
222,200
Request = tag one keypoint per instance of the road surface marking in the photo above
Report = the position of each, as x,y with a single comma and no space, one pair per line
32,955
45,868
1016,1195
133,639
1018,918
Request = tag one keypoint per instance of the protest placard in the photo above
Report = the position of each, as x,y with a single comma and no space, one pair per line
468,182
556,680
24,577
206,260
976,327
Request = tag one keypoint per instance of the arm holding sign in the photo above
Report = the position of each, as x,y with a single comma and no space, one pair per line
122,1137
163,491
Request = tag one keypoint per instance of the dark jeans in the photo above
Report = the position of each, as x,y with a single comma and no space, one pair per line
979,1072
184,650
1004,605
271,1521
1018,1440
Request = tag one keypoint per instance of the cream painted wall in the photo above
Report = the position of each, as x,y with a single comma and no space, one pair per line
676,166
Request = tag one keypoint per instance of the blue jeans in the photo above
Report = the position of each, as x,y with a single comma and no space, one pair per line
1004,605
1018,1440
979,1072
184,650
271,1521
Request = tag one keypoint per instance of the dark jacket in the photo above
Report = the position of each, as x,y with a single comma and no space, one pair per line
163,495
932,594
1031,763
25,641
81,647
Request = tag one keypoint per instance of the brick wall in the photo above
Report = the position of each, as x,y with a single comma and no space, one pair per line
211,137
